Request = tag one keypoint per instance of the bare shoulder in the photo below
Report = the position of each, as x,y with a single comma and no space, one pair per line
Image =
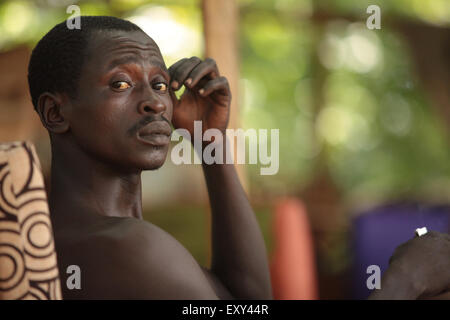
134,259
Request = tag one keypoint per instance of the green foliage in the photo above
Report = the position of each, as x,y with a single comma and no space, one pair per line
375,130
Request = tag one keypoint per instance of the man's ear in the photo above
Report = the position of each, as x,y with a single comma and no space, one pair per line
50,110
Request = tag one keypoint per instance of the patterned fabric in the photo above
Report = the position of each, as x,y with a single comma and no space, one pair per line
28,268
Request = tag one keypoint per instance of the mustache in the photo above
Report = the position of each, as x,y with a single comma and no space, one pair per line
146,120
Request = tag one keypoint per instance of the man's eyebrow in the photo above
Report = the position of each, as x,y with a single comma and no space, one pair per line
133,59
122,60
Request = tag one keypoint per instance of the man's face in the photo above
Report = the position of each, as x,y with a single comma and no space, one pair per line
122,112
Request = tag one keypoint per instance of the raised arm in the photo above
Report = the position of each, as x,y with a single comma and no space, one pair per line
239,258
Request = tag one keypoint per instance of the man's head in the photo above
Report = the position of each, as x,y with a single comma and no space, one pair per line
98,88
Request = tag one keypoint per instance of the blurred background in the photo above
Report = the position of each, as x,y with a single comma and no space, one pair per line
364,119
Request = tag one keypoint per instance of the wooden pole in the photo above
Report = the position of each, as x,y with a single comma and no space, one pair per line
220,27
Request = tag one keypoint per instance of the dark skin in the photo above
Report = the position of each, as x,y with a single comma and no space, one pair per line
418,269
102,140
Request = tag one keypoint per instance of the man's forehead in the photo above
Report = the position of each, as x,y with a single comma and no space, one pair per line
113,44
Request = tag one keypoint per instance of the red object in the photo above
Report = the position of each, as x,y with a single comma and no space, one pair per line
293,268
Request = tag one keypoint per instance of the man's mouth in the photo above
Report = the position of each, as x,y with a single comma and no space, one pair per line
156,133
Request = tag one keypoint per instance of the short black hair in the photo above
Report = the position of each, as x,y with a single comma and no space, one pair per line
56,61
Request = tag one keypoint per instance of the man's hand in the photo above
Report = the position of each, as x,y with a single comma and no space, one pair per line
427,260
206,98
418,269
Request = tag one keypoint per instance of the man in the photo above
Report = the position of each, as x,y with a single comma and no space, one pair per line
107,100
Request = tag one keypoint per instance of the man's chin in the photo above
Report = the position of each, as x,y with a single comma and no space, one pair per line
145,158
153,166
154,161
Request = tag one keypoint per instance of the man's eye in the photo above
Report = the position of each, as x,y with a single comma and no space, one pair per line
160,86
121,85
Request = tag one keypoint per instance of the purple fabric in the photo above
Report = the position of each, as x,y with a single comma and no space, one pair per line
376,234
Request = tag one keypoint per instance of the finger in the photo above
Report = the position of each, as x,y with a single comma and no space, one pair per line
207,67
219,85
173,67
182,71
174,99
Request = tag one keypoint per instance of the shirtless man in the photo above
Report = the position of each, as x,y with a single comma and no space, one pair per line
106,98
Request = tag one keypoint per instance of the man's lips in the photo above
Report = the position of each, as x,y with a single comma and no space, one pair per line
156,133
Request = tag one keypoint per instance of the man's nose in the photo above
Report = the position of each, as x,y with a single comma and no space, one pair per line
151,104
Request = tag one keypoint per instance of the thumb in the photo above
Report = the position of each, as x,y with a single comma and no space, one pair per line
173,97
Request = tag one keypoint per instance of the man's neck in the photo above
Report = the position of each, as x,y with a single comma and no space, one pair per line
84,189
